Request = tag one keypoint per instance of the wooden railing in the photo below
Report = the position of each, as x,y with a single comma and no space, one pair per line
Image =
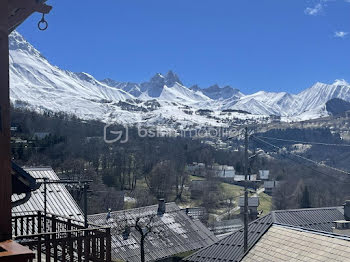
56,238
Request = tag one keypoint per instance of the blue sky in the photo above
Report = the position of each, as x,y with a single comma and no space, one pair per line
272,45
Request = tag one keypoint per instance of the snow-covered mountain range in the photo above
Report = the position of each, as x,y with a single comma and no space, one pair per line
163,100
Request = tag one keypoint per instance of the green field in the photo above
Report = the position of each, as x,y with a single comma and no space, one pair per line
234,191
227,191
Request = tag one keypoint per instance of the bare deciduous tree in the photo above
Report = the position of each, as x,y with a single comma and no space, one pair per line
143,225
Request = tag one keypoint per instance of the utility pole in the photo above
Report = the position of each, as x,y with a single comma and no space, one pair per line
85,184
5,137
246,163
85,206
45,203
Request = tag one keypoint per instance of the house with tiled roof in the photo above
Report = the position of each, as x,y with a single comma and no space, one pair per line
59,201
61,229
172,232
270,186
253,204
231,249
280,243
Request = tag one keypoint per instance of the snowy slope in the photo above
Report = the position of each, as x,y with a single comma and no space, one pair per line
320,93
35,81
163,88
308,104
162,100
268,103
43,86
170,88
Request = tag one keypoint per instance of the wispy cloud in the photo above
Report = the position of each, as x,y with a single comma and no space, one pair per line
318,7
340,34
315,10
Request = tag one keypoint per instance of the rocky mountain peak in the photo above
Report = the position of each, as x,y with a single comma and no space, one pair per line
171,79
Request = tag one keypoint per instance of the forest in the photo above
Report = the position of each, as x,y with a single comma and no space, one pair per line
150,168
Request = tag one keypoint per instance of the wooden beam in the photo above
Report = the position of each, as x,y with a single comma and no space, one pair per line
20,10
15,20
12,14
29,4
5,136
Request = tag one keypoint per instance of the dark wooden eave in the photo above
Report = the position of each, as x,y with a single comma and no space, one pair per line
22,181
20,10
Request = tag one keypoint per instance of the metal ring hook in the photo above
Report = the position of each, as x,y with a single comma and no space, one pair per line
43,25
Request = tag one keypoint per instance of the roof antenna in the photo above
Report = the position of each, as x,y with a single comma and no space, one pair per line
126,233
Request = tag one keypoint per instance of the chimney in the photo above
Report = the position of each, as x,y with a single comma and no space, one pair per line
342,227
161,207
347,210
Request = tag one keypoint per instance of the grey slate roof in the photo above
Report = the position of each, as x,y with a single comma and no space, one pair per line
320,219
59,201
285,243
178,233
231,247
271,184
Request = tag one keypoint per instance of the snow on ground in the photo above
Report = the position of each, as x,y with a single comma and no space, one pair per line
163,101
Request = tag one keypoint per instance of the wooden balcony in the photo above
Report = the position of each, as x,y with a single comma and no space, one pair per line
55,238
10,251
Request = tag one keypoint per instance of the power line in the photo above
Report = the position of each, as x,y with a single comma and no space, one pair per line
304,158
309,167
303,142
246,168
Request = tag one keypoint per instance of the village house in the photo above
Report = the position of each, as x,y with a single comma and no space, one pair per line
270,186
264,174
59,201
282,243
231,248
275,118
224,171
342,227
221,171
196,169
47,219
171,232
241,178
253,204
